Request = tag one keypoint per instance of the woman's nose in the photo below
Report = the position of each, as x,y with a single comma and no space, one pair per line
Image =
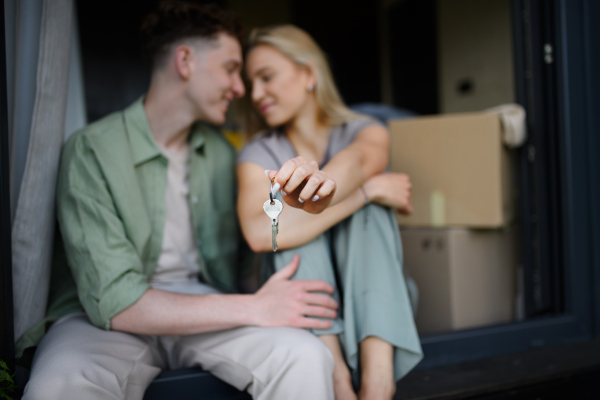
257,92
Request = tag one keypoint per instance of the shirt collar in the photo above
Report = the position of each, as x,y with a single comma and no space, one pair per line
143,146
198,139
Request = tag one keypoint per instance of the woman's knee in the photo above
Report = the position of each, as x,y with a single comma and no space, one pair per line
315,261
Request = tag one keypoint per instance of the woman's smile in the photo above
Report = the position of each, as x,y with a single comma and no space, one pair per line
265,107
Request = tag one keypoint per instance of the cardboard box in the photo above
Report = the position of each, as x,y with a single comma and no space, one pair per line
459,167
466,278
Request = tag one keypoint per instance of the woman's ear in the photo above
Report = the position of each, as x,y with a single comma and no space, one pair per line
311,69
183,61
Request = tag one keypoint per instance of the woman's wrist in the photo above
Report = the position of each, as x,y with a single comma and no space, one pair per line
369,191
365,195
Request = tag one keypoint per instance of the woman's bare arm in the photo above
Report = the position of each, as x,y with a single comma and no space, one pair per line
300,179
296,227
366,156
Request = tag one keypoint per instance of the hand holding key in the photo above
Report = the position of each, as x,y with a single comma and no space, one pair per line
303,185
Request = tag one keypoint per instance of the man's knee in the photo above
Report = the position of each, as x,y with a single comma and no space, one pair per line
66,373
303,350
55,378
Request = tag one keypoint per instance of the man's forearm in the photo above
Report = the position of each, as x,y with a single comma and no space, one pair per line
164,313
279,302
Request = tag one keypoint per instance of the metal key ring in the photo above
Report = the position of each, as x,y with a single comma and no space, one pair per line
271,191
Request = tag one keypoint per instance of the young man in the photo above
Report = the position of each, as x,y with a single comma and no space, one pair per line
147,213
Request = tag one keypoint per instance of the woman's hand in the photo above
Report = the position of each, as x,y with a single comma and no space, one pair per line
392,190
303,185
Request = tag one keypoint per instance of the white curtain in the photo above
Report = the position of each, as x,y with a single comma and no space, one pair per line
39,108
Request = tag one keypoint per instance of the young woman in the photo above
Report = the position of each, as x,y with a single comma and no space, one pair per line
329,165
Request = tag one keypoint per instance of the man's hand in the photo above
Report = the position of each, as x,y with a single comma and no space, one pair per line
304,186
282,302
392,190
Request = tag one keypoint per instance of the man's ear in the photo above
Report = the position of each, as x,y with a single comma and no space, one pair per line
183,61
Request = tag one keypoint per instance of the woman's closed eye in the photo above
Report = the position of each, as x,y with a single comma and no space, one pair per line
266,78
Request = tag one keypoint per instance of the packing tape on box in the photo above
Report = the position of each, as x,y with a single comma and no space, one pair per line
514,124
437,208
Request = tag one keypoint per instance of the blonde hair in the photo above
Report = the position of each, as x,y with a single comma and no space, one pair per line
299,47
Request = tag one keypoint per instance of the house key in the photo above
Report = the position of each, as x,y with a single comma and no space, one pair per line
273,208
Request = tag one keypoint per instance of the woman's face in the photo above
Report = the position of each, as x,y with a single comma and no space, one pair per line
279,86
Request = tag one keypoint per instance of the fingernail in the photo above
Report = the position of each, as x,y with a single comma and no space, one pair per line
267,172
283,192
275,188
315,197
300,200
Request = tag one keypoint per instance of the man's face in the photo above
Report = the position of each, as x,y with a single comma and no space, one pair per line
216,80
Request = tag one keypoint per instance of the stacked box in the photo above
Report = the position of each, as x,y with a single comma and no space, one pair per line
461,171
466,277
460,245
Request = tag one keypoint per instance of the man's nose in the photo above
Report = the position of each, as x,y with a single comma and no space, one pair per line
238,87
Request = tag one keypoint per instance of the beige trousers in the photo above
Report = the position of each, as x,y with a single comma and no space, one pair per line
77,360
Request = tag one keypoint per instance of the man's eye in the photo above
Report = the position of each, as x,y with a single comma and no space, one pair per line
232,68
267,78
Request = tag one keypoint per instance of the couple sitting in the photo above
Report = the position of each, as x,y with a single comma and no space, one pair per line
147,211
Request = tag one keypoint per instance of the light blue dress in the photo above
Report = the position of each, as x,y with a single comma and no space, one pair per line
360,256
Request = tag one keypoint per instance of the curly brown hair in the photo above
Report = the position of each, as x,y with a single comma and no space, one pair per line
174,20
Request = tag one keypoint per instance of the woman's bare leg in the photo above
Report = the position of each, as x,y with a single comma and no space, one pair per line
377,366
342,383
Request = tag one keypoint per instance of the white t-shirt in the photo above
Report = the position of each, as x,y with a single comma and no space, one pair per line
180,262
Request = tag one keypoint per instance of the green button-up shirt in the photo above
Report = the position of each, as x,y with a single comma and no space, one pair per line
111,213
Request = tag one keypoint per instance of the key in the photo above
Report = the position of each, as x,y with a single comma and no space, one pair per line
273,209
274,232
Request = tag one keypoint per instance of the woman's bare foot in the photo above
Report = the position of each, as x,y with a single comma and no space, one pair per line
342,381
377,364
